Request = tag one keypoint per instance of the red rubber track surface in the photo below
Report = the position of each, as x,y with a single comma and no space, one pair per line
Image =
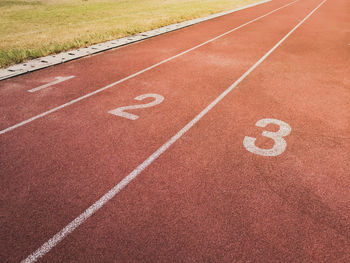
206,199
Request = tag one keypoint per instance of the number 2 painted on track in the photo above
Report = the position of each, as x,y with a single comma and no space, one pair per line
280,144
121,111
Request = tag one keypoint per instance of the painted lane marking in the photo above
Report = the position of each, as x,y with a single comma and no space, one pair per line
121,110
58,237
280,144
136,74
58,80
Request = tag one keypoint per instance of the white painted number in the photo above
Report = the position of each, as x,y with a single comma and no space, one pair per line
58,80
280,144
121,110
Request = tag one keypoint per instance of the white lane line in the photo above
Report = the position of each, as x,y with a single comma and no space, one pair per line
58,80
135,74
52,242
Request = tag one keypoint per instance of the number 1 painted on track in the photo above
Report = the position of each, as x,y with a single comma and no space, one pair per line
58,80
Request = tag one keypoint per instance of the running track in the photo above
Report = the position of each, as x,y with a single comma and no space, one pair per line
186,181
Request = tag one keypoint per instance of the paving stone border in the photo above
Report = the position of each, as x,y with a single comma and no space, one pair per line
63,57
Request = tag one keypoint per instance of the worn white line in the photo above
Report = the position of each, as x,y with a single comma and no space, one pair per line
136,74
58,80
52,242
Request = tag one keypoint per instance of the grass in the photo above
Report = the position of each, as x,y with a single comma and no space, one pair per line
31,29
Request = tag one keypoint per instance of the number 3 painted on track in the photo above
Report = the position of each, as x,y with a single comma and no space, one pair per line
280,144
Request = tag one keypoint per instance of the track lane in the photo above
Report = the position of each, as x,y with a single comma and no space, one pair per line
17,105
146,86
209,199
53,149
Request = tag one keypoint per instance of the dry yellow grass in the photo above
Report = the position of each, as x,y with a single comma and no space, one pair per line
31,29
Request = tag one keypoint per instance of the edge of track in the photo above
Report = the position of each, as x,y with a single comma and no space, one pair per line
63,57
